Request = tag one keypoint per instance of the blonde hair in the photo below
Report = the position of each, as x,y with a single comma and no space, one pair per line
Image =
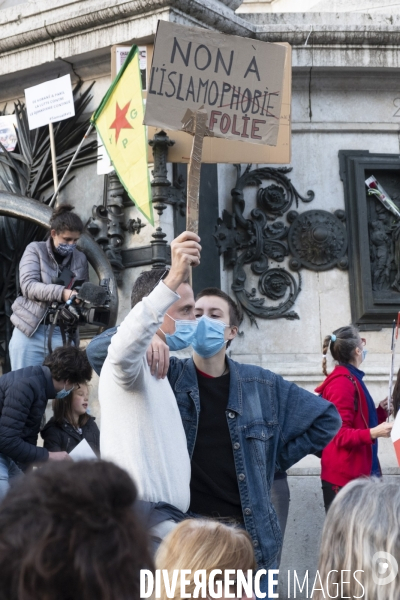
363,519
204,544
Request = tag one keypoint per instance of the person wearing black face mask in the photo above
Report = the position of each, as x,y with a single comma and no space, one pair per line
40,266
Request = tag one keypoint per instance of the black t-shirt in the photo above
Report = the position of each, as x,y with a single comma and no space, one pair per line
214,488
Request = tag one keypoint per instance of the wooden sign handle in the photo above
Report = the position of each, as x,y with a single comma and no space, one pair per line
193,181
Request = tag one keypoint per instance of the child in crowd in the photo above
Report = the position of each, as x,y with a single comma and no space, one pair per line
71,423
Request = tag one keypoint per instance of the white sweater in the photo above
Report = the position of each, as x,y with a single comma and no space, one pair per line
141,428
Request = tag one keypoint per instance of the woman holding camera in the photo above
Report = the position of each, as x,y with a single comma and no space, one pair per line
41,267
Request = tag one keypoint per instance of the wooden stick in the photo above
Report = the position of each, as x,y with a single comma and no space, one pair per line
53,156
70,164
193,181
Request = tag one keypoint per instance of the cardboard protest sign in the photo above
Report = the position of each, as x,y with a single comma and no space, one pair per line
239,82
219,150
49,102
8,136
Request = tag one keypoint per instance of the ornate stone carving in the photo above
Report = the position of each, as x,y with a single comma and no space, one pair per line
316,239
374,234
384,243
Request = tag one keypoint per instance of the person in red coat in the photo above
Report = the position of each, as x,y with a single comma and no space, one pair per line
353,452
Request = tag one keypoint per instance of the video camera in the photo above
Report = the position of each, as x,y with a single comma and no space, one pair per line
90,306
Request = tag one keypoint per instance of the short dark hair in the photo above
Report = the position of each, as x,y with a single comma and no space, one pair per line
63,219
69,362
69,530
145,284
235,316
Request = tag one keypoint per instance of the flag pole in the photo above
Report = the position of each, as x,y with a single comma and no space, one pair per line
58,186
53,156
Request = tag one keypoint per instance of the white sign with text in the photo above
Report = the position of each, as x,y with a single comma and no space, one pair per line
49,102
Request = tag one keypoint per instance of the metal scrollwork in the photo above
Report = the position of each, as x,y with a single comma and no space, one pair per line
107,225
316,240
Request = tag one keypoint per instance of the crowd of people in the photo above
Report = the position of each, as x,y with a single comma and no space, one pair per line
194,452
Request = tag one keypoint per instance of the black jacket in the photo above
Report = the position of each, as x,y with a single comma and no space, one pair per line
59,437
23,400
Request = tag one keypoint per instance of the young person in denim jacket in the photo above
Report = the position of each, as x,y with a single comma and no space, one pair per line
256,424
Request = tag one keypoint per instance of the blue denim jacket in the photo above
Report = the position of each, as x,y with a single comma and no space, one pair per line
273,423
97,349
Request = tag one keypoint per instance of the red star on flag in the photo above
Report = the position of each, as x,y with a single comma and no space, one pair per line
121,121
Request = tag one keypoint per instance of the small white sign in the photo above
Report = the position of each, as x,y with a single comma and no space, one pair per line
121,54
49,102
82,452
8,136
104,164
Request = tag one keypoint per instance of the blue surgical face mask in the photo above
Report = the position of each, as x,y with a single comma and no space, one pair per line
210,337
65,249
364,354
185,331
64,393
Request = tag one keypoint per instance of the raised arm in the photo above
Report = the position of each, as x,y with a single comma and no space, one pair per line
127,350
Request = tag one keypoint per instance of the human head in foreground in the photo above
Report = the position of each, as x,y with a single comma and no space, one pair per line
68,530
204,544
363,520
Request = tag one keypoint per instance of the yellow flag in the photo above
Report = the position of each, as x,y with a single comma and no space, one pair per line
119,123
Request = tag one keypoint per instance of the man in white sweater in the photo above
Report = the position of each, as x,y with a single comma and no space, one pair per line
141,428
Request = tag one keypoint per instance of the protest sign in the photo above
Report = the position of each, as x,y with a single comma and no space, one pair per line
49,102
219,150
118,57
104,164
239,81
8,136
